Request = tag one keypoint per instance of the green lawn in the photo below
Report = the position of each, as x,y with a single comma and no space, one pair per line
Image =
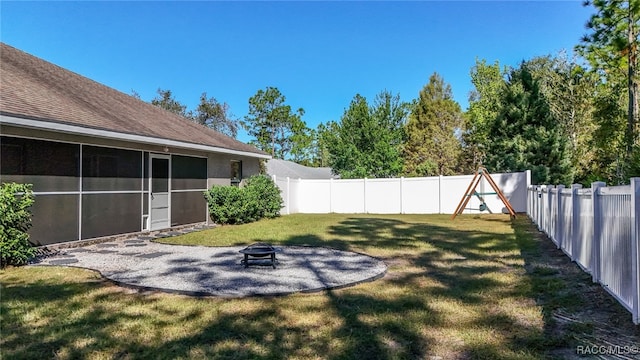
477,287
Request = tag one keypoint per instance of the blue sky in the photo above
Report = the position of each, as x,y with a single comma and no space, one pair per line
318,54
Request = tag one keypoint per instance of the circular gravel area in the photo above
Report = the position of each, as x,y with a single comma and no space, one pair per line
217,271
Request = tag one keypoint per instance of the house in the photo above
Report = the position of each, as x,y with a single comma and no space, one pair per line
289,169
102,162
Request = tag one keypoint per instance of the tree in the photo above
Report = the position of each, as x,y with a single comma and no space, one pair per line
367,141
216,116
484,106
165,100
525,135
432,147
609,137
569,91
320,146
272,124
611,48
210,112
303,146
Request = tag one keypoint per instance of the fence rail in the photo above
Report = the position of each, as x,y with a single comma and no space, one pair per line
599,229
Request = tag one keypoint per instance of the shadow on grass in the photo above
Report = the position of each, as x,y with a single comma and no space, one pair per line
450,291
76,324
576,311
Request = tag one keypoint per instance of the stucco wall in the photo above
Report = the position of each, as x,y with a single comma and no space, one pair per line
220,168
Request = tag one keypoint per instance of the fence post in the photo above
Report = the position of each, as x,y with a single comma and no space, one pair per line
439,194
330,195
575,218
548,214
559,217
539,203
401,195
534,205
364,199
597,226
288,196
538,196
635,246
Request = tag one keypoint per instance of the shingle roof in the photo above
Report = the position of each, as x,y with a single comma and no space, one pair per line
32,88
283,169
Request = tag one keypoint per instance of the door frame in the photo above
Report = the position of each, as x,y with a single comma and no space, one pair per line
150,216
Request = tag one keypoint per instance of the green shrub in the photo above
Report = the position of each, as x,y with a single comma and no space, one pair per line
15,221
257,199
226,204
263,196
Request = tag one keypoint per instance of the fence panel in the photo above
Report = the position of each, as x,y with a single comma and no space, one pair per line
599,229
553,216
583,238
615,243
565,212
544,210
293,196
314,196
347,196
383,196
421,195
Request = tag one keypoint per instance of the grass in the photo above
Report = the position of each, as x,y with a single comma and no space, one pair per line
474,288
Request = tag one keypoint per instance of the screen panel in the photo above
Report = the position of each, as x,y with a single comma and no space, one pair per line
188,172
50,166
188,208
110,214
54,218
108,169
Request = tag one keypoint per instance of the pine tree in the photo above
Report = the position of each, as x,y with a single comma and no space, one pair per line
525,135
611,48
432,146
367,140
484,105
272,123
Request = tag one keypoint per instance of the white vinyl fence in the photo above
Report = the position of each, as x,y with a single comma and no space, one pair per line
599,228
425,195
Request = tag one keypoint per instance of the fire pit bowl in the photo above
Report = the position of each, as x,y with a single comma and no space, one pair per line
257,252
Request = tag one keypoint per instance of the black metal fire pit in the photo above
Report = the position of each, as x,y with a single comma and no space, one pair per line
258,252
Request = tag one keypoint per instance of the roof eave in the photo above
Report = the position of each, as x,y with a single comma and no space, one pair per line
114,135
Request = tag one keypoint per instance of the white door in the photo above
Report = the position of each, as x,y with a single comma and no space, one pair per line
159,196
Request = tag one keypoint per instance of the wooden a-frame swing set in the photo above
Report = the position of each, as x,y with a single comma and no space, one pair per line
471,191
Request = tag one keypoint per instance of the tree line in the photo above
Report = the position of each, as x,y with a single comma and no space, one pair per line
569,118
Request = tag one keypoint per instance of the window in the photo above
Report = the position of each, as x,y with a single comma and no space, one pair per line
236,172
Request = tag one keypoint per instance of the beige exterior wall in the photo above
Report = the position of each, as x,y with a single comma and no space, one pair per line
219,167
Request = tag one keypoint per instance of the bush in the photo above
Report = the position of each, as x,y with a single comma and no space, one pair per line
257,199
15,221
263,196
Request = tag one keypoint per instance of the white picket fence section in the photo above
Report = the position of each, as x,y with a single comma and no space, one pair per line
424,195
599,228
